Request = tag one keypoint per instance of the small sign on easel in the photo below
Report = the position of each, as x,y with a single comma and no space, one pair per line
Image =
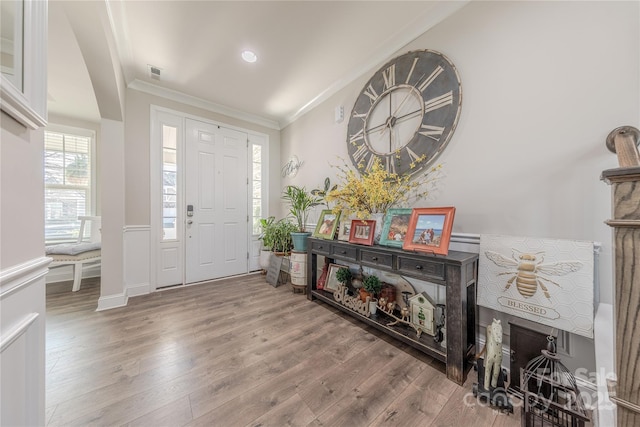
274,276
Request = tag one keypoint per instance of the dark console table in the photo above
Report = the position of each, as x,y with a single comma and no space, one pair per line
457,272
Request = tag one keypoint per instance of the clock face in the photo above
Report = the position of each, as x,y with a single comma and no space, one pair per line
405,114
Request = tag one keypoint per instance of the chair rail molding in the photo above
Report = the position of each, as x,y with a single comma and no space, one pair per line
16,277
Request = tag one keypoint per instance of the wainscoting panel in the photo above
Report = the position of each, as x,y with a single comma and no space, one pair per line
22,343
136,260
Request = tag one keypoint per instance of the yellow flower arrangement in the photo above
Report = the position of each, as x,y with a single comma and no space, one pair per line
376,190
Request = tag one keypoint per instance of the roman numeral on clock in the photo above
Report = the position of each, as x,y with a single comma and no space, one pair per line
360,153
438,102
357,136
433,132
413,66
371,93
414,156
389,163
371,160
362,116
389,76
425,84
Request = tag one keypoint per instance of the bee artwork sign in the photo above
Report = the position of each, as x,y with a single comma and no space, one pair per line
547,281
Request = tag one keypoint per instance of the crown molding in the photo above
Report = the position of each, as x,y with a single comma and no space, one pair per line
424,22
193,101
404,36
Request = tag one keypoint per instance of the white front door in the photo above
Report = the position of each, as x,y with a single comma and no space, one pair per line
216,200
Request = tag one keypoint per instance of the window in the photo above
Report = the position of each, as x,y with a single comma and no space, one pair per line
169,182
256,195
68,180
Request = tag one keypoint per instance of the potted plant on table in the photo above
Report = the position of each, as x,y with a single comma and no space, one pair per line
300,203
344,276
371,286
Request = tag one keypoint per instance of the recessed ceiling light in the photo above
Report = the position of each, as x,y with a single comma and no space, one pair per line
249,56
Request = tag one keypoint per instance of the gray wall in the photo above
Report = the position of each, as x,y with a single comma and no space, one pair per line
543,84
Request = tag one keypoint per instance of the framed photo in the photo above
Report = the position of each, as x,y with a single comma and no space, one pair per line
344,229
327,225
394,230
430,230
362,231
332,282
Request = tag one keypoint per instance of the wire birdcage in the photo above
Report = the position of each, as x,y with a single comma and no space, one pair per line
551,395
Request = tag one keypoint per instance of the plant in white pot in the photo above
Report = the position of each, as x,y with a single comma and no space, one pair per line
268,241
372,286
300,203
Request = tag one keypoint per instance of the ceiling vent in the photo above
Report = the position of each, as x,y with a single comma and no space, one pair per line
154,72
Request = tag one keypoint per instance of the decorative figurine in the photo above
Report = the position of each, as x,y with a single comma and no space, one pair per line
490,385
493,358
422,308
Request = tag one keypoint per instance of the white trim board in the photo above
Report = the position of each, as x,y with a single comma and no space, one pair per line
14,278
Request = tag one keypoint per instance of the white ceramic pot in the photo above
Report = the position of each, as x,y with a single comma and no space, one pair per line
373,306
265,257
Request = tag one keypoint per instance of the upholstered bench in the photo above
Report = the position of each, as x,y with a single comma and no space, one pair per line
79,253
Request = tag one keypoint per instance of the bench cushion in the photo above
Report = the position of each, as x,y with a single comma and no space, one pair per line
72,248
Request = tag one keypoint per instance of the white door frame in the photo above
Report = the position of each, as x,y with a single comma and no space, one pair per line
155,181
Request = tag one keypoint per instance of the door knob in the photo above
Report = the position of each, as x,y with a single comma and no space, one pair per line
189,222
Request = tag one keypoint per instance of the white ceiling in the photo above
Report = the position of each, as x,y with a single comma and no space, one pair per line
307,51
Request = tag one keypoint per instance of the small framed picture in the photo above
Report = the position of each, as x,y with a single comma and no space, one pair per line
430,230
332,282
394,230
344,229
362,231
327,225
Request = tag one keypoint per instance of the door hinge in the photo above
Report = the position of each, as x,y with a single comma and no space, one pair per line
247,255
247,218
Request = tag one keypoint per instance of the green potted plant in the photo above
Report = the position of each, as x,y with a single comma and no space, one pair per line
268,241
343,275
322,193
282,236
371,286
300,203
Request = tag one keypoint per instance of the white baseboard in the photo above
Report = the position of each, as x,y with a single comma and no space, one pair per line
138,289
112,301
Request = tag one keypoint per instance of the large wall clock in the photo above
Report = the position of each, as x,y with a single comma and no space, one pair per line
406,113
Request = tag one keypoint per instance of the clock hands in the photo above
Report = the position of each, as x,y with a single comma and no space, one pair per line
406,96
405,99
380,127
407,116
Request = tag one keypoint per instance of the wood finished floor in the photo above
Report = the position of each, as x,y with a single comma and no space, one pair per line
238,352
